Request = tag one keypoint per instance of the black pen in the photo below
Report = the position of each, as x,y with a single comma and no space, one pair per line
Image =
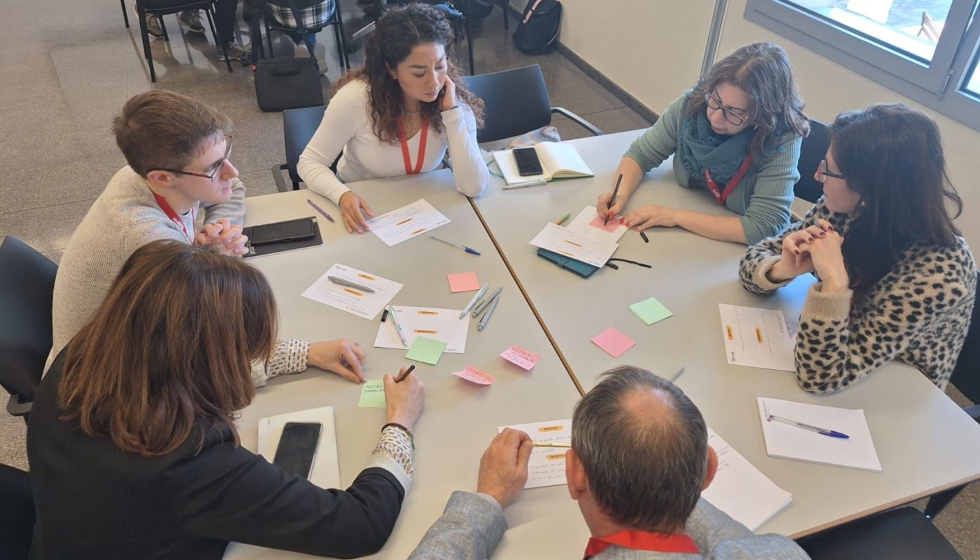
402,377
613,199
643,235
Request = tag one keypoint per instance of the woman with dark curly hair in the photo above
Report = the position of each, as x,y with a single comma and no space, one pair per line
737,134
399,115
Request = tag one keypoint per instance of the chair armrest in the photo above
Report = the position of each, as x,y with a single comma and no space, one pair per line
973,411
277,174
577,119
17,408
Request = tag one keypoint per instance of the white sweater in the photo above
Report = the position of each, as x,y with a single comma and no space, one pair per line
347,127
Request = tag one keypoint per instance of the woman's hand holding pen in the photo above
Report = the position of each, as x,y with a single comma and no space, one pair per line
503,468
352,209
603,207
404,400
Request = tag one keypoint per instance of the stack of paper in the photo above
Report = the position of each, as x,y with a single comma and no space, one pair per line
585,239
430,322
740,490
792,442
326,468
547,464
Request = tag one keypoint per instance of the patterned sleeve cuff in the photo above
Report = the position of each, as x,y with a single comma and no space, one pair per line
394,454
290,356
760,279
829,307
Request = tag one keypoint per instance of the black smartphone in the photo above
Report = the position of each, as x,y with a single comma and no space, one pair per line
527,162
297,447
282,232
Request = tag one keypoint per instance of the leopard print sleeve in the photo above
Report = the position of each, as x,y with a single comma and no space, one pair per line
759,258
919,312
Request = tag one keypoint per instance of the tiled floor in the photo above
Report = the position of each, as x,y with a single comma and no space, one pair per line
68,66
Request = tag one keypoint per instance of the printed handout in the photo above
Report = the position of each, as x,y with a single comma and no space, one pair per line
358,302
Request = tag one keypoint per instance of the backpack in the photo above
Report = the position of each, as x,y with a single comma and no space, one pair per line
539,26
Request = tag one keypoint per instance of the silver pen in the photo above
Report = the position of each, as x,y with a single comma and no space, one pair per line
479,308
486,316
398,326
343,282
473,301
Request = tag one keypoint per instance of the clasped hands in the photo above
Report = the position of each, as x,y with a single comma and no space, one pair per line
814,249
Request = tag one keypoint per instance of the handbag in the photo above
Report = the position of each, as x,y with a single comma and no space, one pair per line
288,83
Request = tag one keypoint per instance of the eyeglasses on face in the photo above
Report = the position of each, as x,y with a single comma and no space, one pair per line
822,172
714,103
211,172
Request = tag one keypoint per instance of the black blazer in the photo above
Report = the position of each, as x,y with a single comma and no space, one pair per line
95,501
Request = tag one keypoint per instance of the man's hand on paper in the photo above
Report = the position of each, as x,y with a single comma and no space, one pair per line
503,468
352,209
405,400
342,357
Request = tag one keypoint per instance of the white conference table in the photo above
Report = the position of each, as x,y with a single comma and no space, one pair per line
924,441
459,418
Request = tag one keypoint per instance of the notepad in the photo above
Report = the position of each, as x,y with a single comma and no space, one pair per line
326,467
613,342
650,311
741,490
558,161
426,350
373,394
791,442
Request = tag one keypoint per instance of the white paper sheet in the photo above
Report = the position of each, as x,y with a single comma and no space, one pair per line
740,490
757,337
547,464
791,442
326,468
360,303
583,223
406,222
573,244
437,324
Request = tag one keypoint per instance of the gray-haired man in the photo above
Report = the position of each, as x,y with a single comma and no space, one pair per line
638,463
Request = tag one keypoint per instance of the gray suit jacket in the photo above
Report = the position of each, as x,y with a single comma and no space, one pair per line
471,527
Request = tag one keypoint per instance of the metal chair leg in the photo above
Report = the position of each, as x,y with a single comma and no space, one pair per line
163,26
506,7
222,44
147,53
122,4
343,39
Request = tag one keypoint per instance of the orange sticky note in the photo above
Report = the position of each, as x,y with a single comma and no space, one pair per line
463,282
614,342
521,357
476,376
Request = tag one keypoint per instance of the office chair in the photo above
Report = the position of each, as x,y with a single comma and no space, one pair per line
161,8
26,289
906,533
16,513
298,127
516,102
813,149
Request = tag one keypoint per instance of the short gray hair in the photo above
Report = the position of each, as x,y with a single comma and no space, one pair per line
644,473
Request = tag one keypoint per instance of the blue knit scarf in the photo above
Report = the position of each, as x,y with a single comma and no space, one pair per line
700,148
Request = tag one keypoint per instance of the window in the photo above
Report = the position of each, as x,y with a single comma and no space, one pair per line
923,49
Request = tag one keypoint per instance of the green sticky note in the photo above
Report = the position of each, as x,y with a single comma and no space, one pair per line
373,394
426,350
650,311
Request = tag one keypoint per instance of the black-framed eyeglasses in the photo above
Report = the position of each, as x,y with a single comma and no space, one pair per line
212,171
822,172
714,103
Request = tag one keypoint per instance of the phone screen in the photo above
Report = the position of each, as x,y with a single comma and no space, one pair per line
297,447
527,162
293,230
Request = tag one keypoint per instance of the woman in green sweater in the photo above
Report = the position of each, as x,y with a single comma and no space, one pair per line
736,135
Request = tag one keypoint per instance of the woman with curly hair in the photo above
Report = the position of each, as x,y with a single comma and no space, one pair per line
399,115
737,134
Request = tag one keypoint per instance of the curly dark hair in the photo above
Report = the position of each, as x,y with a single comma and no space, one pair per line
761,70
397,33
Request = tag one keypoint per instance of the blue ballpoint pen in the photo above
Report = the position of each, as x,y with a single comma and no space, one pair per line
821,431
460,247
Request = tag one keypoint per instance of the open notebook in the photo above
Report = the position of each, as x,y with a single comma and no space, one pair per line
558,161
326,467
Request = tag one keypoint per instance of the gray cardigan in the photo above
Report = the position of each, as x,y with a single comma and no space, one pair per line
472,526
763,197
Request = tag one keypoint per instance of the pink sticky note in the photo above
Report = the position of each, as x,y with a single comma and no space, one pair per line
463,282
521,357
476,376
614,222
614,342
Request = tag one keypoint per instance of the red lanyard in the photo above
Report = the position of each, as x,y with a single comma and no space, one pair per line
169,211
641,540
720,196
405,154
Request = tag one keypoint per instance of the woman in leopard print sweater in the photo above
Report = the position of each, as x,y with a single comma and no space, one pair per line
903,283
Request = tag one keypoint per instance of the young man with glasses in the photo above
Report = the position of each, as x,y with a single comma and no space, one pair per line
177,149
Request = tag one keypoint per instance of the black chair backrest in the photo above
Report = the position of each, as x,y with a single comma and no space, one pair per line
26,288
516,102
966,374
813,150
16,513
298,127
